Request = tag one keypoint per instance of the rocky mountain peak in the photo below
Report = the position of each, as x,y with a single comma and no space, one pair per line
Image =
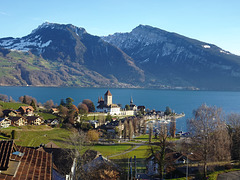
51,26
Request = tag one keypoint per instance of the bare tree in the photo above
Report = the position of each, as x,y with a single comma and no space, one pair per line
144,126
77,144
234,131
101,119
120,129
131,129
63,111
3,97
125,129
150,127
172,129
135,125
83,108
49,104
159,149
89,104
140,125
27,99
209,135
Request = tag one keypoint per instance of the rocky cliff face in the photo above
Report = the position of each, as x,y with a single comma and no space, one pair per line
175,60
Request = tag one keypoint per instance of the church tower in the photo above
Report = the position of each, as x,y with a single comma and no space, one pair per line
107,98
131,101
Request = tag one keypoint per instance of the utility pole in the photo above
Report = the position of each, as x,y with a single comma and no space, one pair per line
128,170
135,166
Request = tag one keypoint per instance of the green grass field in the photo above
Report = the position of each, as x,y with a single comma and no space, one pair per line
11,105
35,135
107,150
47,116
146,138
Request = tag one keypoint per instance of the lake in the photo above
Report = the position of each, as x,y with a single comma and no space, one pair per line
177,100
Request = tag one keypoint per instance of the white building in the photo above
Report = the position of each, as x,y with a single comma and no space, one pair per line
106,106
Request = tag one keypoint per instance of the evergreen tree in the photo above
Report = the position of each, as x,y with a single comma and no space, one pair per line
62,103
13,134
69,102
127,107
33,105
24,99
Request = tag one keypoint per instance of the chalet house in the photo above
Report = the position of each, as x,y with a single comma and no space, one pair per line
98,167
18,121
172,158
5,122
18,162
26,110
54,110
34,120
11,112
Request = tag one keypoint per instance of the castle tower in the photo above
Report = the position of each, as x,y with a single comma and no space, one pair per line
107,98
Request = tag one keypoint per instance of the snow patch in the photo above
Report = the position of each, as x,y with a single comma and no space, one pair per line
46,44
6,42
206,46
24,44
225,52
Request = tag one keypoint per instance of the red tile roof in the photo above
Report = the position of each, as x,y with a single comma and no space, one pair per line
108,93
6,148
33,165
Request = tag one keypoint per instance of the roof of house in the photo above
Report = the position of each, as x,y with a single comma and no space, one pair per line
51,145
113,106
1,119
32,118
62,158
14,118
24,162
25,108
54,109
6,148
108,93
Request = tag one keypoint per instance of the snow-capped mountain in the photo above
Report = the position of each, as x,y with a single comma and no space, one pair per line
73,47
66,55
37,39
169,58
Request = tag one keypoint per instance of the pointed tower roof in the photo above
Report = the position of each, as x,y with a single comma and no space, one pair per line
108,93
131,100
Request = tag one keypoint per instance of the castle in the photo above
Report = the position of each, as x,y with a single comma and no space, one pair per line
106,105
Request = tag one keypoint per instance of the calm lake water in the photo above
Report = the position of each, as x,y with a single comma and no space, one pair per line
178,100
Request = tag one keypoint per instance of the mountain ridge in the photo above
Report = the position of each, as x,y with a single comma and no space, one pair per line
169,55
146,57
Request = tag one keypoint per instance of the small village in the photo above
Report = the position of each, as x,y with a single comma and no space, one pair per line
106,142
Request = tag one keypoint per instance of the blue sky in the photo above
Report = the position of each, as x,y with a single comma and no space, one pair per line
212,21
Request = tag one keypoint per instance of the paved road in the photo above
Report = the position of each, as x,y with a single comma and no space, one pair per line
235,175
